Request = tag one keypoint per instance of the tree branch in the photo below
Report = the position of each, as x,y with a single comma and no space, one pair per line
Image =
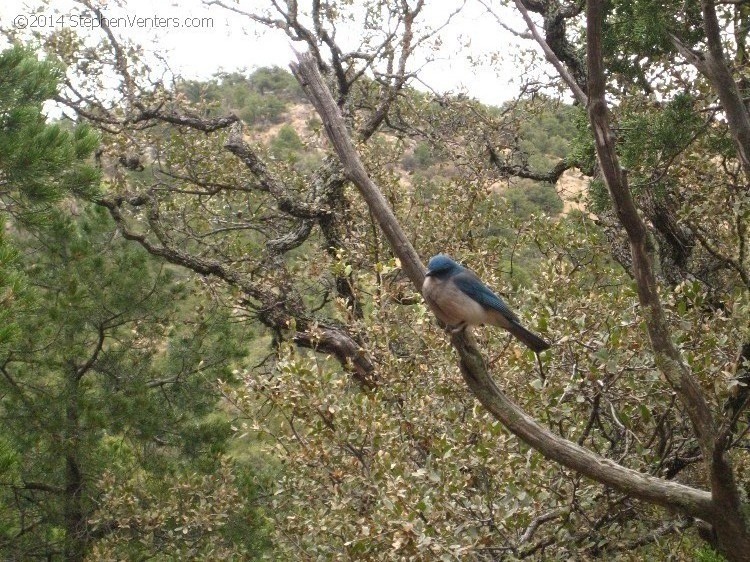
578,92
667,357
555,37
651,489
713,65
732,263
272,310
311,81
717,71
205,125
517,171
101,336
42,487
268,182
541,520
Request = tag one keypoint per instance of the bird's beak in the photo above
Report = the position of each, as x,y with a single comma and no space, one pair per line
428,273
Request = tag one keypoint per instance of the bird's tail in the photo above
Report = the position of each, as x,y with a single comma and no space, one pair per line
529,339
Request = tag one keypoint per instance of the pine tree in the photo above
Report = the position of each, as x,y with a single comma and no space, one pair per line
39,162
109,436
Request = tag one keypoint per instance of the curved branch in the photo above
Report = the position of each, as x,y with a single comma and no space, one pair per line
642,486
517,171
81,370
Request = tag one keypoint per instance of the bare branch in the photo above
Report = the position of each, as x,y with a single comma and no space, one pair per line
721,78
42,487
523,172
205,125
312,82
578,92
502,24
555,20
121,61
541,520
693,57
286,202
654,490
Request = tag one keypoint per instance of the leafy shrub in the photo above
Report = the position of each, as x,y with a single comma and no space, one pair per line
286,144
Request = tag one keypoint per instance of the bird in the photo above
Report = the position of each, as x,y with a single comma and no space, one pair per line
460,299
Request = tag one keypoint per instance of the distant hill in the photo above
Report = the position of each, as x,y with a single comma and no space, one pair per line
276,113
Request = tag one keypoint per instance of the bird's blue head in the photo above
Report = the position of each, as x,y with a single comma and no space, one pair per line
441,264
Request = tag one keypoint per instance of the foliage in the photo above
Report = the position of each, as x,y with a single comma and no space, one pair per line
40,163
260,98
421,158
112,378
529,197
286,145
392,473
276,82
107,361
381,452
706,554
14,293
192,516
546,130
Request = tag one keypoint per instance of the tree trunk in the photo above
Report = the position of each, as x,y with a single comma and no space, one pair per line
73,513
729,526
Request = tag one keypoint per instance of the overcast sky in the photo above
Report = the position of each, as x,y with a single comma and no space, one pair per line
227,42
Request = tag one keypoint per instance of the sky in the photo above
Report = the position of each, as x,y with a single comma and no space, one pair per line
224,41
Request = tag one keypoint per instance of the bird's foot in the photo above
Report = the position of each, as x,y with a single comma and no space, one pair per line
456,329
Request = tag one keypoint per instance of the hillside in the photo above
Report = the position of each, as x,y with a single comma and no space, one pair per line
277,115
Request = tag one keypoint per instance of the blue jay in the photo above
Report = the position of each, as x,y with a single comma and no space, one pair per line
459,299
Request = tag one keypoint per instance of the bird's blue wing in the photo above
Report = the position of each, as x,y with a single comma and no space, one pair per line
472,286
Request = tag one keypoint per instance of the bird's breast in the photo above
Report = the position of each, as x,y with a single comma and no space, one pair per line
451,305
